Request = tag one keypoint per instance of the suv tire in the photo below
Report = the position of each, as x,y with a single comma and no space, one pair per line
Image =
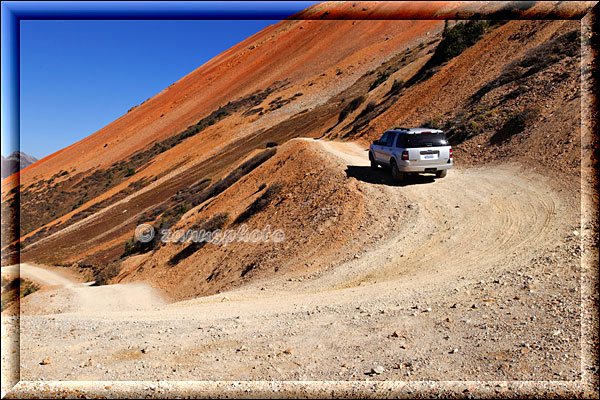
374,165
396,174
441,174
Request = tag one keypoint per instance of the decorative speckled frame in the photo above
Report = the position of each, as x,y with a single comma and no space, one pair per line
12,12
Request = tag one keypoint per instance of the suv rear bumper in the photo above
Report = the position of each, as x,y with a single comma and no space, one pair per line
423,168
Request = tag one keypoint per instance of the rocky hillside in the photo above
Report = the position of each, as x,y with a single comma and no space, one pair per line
213,150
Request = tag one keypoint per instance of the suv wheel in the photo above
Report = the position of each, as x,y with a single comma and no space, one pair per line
441,174
396,174
374,165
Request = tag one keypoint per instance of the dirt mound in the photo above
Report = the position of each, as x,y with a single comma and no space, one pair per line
323,216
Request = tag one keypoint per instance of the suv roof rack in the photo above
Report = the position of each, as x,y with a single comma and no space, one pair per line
418,130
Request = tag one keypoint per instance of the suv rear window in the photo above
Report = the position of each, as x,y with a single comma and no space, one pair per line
425,140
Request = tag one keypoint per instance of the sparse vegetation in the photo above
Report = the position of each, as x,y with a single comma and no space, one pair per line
435,122
456,39
381,77
182,209
134,246
500,118
196,194
369,107
68,193
537,59
238,173
260,203
15,289
463,125
516,123
396,87
27,287
79,203
279,102
351,107
219,221
104,274
129,246
370,111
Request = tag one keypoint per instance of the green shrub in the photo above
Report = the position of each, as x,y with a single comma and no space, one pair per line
133,246
129,246
130,171
381,77
79,203
435,122
27,287
183,208
516,123
456,39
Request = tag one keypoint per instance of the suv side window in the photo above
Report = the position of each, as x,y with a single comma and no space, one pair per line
401,142
390,139
383,139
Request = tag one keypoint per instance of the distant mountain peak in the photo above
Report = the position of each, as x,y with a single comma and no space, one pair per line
16,162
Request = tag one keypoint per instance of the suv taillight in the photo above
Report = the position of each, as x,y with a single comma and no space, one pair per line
450,153
405,155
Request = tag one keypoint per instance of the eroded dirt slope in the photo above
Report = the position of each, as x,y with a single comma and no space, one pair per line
324,217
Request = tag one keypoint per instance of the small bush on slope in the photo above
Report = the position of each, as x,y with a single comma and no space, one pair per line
456,39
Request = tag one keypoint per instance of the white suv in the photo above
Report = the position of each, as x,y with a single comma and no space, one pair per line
415,150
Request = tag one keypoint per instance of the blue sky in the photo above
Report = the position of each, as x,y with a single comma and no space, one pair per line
78,76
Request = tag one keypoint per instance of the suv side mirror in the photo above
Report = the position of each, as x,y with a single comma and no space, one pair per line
376,142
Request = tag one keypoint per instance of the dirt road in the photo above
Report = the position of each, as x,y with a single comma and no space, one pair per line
41,276
84,298
483,285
